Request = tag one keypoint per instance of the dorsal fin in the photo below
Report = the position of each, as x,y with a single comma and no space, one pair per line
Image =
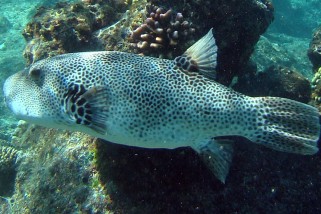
200,57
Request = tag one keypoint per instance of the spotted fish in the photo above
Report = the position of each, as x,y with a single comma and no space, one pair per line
158,103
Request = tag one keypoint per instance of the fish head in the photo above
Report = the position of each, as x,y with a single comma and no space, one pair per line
33,94
59,92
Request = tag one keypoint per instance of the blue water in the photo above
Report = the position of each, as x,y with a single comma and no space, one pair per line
64,173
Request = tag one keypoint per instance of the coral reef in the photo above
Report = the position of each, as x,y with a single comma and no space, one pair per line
72,173
115,37
314,51
237,26
67,27
8,165
162,33
176,181
56,173
63,172
277,81
314,54
8,156
237,29
316,87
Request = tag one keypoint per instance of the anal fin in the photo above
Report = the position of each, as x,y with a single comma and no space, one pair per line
217,155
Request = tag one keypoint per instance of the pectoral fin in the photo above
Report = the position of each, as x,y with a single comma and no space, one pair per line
87,107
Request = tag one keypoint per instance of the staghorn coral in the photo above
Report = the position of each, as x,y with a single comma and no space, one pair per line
8,156
163,32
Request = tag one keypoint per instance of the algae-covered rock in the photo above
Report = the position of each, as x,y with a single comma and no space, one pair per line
70,28
8,164
66,27
276,81
314,51
8,156
316,88
56,173
64,172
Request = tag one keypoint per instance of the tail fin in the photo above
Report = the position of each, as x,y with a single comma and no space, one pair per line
286,125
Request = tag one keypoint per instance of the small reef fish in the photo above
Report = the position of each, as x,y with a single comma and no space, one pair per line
158,103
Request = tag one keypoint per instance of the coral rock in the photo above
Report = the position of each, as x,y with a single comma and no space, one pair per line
316,88
314,51
65,28
277,81
8,156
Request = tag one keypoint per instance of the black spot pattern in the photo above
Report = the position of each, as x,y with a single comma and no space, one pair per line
155,103
186,64
286,125
76,105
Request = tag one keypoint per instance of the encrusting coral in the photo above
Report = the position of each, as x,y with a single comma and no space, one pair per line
314,51
316,86
163,32
68,27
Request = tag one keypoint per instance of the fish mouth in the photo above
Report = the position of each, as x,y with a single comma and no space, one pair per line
7,102
18,111
6,98
11,95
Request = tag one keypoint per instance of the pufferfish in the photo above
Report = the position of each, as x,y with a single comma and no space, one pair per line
158,103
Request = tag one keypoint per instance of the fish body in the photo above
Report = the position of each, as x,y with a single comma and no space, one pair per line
158,103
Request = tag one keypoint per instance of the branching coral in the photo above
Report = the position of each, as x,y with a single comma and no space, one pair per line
162,32
8,156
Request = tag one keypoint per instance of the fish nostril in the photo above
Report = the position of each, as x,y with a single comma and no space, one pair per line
7,101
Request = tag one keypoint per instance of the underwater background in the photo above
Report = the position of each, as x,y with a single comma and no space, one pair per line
266,48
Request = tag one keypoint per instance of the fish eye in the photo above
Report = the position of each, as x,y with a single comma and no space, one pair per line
35,74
